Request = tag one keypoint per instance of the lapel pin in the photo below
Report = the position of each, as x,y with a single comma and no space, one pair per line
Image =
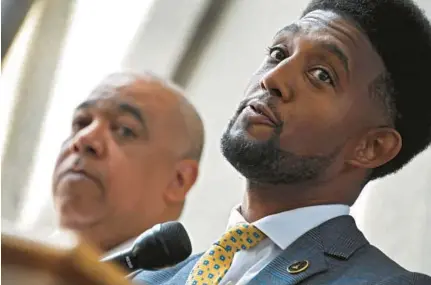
298,267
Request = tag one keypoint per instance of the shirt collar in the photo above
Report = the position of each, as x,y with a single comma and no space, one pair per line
285,227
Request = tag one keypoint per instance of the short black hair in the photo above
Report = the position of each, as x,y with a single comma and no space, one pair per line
401,34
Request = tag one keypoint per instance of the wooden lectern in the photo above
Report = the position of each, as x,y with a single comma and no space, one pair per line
29,262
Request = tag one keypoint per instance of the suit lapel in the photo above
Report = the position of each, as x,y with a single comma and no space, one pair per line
338,237
306,248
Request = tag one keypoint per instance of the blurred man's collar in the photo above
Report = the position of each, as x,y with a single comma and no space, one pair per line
68,238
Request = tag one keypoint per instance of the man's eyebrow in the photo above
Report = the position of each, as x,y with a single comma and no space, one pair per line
292,28
330,47
132,110
122,107
335,50
85,105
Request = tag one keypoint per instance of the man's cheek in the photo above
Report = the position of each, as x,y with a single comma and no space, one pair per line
64,149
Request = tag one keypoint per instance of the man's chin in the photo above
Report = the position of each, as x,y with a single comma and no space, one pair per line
256,133
257,157
259,132
243,148
77,223
78,219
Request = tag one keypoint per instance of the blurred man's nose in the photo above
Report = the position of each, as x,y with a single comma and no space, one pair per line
90,140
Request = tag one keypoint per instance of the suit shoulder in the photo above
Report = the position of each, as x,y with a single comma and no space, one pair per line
377,259
375,262
407,278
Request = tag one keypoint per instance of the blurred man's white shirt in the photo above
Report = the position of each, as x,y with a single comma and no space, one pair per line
68,238
63,237
58,239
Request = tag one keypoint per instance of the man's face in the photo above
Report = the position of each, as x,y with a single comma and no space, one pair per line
306,103
116,163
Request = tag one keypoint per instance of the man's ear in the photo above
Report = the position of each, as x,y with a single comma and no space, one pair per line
377,147
186,173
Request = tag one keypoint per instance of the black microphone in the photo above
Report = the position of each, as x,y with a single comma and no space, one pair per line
163,245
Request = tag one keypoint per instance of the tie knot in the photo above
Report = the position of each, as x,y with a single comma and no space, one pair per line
240,237
214,264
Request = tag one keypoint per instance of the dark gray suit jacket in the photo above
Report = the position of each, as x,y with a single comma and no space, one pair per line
337,252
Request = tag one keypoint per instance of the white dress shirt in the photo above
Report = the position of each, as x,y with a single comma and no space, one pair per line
282,230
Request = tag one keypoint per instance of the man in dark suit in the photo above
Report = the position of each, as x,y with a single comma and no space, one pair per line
341,98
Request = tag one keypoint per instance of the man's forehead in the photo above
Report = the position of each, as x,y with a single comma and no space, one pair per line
138,91
325,15
324,22
149,98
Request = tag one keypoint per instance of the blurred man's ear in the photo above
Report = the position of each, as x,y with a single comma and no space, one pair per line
186,173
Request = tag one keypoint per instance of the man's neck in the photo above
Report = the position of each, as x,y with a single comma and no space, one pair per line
106,239
120,247
263,200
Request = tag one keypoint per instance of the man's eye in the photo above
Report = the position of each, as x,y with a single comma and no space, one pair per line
322,75
276,53
80,123
126,132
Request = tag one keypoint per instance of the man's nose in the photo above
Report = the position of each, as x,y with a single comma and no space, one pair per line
279,81
89,140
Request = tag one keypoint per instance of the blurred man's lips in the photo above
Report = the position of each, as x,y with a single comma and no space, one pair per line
78,175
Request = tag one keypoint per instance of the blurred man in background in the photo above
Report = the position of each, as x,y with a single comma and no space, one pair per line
341,98
132,156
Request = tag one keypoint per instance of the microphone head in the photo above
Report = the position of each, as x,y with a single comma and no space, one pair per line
163,245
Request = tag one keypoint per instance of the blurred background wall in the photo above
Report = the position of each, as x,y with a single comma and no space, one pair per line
210,47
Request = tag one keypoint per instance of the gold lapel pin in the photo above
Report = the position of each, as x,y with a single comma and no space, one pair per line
298,267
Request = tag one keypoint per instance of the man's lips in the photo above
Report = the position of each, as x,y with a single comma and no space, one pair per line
261,110
78,175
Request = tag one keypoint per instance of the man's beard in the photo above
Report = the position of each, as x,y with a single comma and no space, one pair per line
265,163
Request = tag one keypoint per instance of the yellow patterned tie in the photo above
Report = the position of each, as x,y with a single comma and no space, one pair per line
214,264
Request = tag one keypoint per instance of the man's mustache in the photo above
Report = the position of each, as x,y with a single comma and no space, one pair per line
265,98
245,102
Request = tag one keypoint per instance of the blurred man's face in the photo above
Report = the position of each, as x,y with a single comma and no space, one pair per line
306,103
115,165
